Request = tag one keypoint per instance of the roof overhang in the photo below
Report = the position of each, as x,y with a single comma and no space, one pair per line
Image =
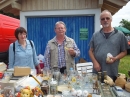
14,6
10,6
113,5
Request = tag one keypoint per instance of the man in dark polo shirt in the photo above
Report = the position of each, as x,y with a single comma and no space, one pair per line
107,40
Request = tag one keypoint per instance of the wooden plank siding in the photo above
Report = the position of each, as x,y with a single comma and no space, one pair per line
33,5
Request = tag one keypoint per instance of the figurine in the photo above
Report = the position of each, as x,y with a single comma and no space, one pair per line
1,95
109,81
85,93
25,92
73,92
37,91
79,93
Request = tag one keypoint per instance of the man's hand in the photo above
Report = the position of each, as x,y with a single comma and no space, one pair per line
97,66
111,60
71,52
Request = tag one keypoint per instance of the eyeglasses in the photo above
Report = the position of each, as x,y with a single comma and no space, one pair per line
61,28
107,18
22,34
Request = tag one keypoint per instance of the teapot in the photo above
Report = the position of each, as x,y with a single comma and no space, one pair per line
56,73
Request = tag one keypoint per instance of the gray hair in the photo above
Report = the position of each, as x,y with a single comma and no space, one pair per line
106,11
60,22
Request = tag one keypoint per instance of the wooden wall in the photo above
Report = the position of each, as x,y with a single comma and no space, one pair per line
31,5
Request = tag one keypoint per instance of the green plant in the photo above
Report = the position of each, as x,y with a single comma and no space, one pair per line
124,65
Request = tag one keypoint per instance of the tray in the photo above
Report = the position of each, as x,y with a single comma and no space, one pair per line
105,90
61,88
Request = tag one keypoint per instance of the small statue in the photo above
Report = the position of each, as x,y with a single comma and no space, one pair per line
109,81
37,91
1,95
25,92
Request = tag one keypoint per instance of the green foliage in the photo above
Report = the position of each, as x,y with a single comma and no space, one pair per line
125,23
124,65
9,14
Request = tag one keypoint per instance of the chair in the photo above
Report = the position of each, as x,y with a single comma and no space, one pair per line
87,65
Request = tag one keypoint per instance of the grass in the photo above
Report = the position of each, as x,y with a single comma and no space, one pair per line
124,65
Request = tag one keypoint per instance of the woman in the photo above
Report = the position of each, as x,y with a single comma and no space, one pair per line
22,52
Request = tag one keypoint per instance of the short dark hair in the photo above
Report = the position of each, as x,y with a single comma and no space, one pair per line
19,30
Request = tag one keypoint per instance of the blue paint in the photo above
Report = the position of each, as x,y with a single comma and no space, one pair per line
41,29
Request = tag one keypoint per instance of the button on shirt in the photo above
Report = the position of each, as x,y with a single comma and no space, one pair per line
22,56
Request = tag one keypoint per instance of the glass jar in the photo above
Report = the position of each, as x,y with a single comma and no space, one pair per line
53,87
45,87
56,74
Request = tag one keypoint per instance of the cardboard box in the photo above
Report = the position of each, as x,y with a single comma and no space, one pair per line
22,71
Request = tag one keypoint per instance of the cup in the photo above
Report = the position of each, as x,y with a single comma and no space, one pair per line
84,71
9,91
49,74
44,72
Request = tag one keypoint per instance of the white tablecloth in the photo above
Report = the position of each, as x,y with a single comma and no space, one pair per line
127,93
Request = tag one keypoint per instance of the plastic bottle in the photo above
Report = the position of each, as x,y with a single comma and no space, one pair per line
71,71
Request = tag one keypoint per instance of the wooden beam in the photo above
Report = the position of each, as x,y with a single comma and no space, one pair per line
16,5
112,4
7,9
1,1
15,12
100,3
6,3
118,2
110,8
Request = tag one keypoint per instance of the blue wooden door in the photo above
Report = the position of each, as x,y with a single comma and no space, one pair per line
41,29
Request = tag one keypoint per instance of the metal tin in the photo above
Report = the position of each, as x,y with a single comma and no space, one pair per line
45,87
